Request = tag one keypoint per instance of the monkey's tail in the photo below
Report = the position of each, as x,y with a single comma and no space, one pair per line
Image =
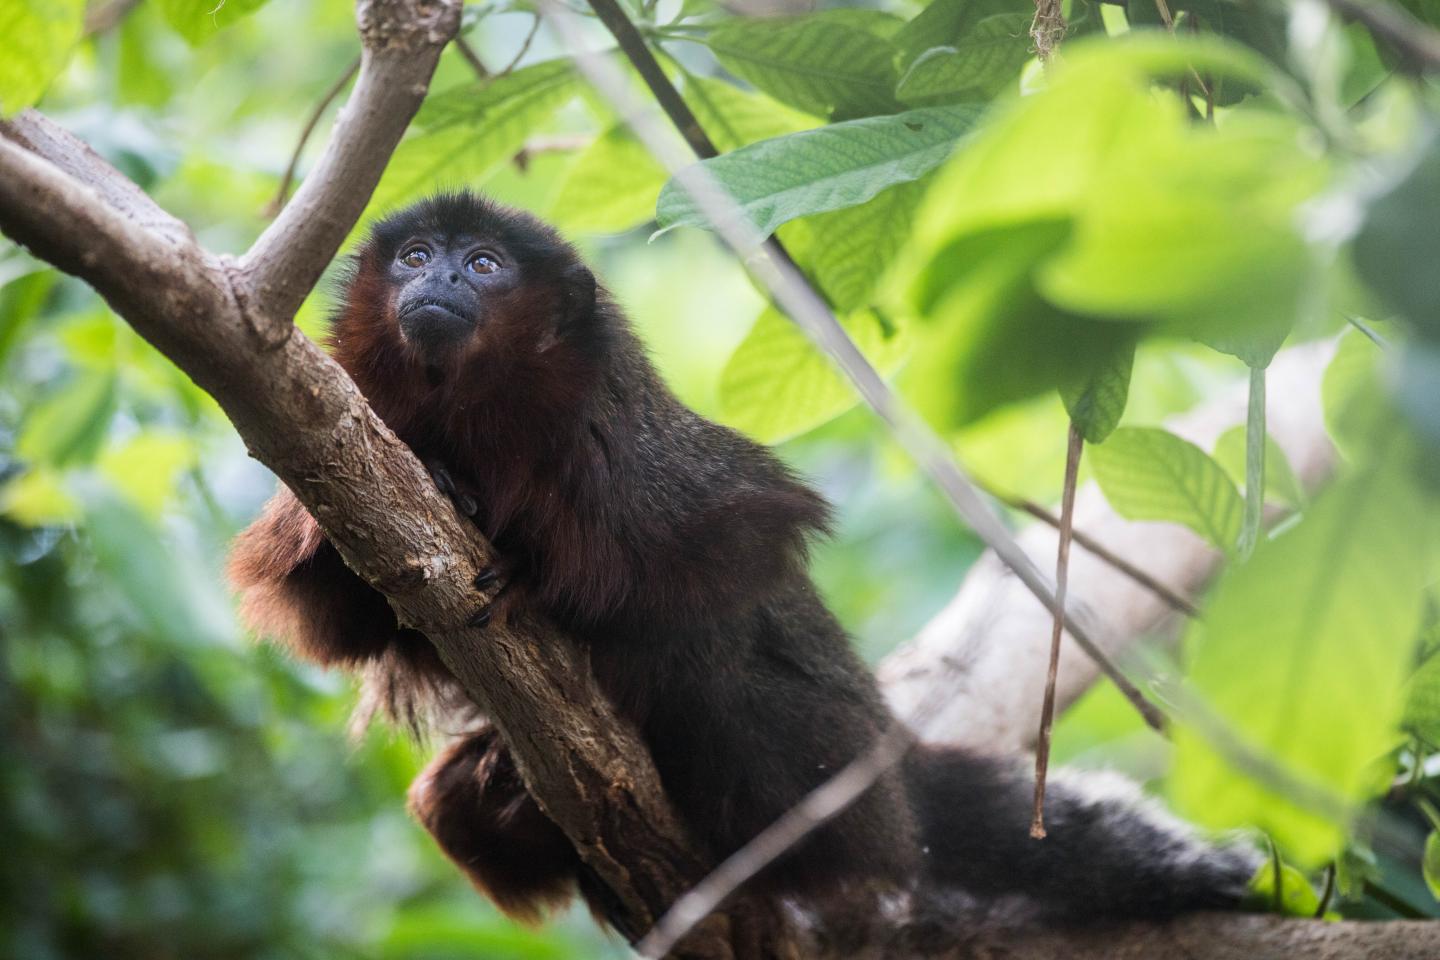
1110,852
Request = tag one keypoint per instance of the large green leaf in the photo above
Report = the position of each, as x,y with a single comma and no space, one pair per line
835,166
1353,396
611,187
199,20
848,251
993,340
1422,703
463,134
1151,474
946,22
777,384
1301,660
978,65
814,63
38,37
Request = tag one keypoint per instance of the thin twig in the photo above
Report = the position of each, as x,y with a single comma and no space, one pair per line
1417,42
633,45
1062,578
472,58
524,47
1327,893
1100,552
772,268
1369,331
283,193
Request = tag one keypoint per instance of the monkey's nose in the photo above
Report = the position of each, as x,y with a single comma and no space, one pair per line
454,277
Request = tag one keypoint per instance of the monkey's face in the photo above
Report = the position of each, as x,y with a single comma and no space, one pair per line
446,286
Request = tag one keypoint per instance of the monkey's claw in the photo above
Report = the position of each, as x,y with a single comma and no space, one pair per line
485,578
446,484
481,619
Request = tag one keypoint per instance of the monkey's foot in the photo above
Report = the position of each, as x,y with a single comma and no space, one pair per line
492,582
463,501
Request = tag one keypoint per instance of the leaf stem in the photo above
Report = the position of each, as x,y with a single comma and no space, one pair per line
1062,576
1254,464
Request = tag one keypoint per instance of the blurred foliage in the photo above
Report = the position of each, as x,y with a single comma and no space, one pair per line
1108,240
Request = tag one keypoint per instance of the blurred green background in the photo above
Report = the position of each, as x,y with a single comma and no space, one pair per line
171,788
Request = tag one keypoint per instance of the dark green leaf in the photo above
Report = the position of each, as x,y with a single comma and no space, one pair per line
986,60
1395,250
1095,396
817,65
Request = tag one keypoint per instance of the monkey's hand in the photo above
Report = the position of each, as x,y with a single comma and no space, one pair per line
463,501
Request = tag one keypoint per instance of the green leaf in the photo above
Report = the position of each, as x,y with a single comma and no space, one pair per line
1095,397
145,469
20,299
947,22
979,65
1394,251
463,134
777,385
733,117
1430,864
1281,484
1353,395
38,498
69,426
830,168
812,63
1422,704
1151,474
992,339
1302,657
1297,897
199,20
611,187
847,251
39,36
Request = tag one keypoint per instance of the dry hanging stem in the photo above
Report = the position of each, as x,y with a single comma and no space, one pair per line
1062,570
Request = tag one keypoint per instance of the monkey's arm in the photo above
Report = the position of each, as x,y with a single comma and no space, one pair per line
294,585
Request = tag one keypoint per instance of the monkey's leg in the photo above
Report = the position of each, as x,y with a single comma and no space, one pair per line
473,802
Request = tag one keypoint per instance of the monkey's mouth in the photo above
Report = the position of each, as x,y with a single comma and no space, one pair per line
434,326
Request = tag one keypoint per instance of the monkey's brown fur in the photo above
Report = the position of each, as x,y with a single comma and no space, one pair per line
675,551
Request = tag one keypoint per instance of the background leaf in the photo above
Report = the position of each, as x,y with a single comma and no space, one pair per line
815,171
39,35
1151,474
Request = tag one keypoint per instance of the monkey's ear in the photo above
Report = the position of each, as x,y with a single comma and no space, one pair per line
576,309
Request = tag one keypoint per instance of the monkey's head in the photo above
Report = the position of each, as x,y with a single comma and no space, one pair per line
455,279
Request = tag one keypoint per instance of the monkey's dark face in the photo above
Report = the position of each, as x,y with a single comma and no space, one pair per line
461,280
445,287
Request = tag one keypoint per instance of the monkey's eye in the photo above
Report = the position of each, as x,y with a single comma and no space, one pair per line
415,257
482,263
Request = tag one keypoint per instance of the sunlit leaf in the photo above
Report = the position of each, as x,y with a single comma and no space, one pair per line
1353,395
829,168
199,20
1297,898
38,498
1151,474
1302,657
611,187
777,384
463,134
39,35
145,469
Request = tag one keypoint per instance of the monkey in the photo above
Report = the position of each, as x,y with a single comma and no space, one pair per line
674,550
